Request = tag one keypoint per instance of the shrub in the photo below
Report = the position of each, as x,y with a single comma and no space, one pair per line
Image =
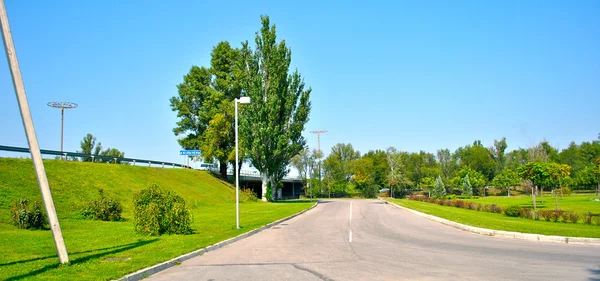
555,215
526,213
26,216
159,211
478,206
471,205
459,203
564,216
573,217
512,211
104,208
597,220
486,208
587,218
545,214
249,195
495,209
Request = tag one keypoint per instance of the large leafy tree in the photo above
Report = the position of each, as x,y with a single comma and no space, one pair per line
540,174
506,179
205,109
88,146
476,179
337,166
362,169
397,174
303,163
477,158
280,105
447,163
380,167
498,154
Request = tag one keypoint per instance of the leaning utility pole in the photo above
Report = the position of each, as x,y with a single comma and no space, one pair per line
34,148
319,132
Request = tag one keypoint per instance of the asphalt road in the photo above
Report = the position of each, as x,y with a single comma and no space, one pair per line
369,240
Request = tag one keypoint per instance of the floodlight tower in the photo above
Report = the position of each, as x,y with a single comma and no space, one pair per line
62,105
319,132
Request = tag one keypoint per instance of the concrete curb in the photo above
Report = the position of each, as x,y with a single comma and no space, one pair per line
502,233
145,272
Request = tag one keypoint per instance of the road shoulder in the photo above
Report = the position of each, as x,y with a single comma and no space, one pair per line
502,233
146,272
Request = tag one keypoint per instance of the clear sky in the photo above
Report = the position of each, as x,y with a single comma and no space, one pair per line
417,75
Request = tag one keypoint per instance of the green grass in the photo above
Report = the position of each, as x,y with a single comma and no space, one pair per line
30,254
500,221
576,203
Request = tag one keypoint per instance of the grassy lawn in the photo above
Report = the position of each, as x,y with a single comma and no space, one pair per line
576,203
109,250
500,221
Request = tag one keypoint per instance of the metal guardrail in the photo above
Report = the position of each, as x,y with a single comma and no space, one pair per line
94,157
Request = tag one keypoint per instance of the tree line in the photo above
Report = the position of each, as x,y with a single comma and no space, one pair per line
467,170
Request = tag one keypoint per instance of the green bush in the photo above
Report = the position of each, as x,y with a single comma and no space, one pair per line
104,208
160,211
587,219
249,195
513,211
28,217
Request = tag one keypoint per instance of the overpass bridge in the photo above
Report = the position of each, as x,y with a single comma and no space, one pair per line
250,179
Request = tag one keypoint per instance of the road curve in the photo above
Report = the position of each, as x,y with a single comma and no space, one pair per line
370,240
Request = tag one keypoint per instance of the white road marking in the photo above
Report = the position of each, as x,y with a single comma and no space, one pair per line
350,230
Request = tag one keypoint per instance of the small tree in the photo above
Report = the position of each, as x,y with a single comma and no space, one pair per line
506,179
467,189
439,190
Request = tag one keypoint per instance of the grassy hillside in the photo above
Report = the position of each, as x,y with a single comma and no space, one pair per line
75,183
93,245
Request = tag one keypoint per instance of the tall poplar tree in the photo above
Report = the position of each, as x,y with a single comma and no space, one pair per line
272,123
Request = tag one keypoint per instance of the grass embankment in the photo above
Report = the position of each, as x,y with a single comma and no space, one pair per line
109,250
500,221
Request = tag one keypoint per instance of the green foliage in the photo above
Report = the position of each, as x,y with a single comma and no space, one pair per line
467,188
161,211
269,193
426,182
104,208
273,122
380,173
88,146
506,179
248,195
26,216
478,158
205,107
439,190
363,169
397,174
513,211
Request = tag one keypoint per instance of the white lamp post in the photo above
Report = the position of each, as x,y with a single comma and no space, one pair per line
237,176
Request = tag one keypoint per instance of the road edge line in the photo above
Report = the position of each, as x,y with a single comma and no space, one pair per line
148,271
503,233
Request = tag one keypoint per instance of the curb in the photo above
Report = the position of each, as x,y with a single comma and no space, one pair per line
502,233
146,272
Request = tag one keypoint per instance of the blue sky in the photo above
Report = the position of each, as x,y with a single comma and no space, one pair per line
417,75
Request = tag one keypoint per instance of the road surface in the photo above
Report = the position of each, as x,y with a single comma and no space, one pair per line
369,240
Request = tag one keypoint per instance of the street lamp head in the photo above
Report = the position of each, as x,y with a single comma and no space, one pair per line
62,104
244,100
